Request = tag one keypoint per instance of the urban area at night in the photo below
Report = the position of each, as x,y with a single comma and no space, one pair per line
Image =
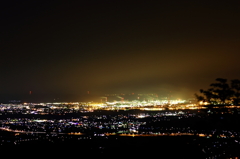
120,79
191,128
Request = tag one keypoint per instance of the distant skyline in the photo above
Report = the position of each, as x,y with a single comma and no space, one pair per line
62,49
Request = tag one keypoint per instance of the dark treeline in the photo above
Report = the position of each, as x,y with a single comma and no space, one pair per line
221,92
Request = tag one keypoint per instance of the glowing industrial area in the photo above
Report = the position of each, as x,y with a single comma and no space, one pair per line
115,105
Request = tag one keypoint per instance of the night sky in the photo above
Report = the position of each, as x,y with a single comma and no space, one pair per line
59,50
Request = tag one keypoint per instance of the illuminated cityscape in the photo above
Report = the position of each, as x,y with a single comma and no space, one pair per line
204,127
120,79
100,124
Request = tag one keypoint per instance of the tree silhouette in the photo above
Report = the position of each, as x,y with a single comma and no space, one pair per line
235,85
220,92
209,94
199,98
